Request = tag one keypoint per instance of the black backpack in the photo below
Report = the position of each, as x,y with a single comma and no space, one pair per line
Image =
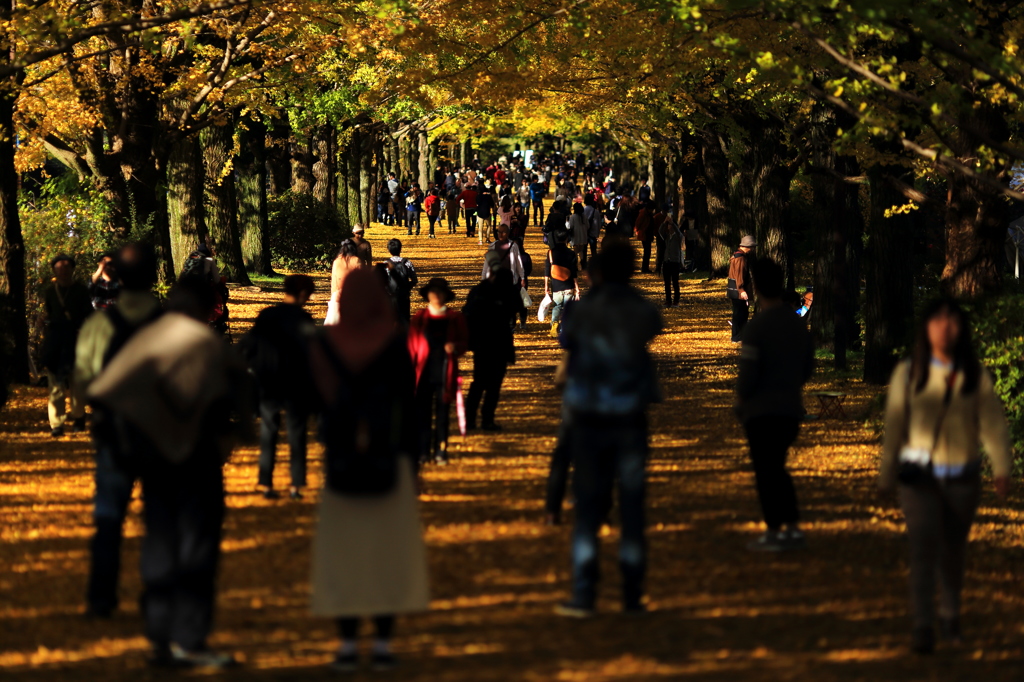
361,444
527,262
400,278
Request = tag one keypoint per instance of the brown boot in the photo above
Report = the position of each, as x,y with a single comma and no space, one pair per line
554,329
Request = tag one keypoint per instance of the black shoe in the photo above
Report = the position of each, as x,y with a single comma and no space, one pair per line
491,426
345,663
575,610
161,657
922,641
470,426
634,607
78,426
271,494
57,432
552,519
383,661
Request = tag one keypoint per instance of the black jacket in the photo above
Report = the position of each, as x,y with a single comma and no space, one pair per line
490,310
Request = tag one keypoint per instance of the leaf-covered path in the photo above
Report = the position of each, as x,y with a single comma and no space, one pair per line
833,611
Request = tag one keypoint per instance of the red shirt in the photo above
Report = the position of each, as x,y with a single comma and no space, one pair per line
469,197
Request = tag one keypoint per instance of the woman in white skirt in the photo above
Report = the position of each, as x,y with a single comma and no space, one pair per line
345,262
369,558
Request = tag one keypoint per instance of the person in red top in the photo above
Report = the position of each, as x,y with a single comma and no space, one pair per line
438,337
499,176
432,206
468,201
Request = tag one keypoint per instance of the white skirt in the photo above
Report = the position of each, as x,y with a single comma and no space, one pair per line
333,316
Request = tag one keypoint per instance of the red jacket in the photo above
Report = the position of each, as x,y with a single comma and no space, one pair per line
419,347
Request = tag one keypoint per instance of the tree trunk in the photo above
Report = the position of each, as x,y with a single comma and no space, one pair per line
465,152
186,221
323,164
253,221
221,213
772,179
721,233
659,179
976,220
367,197
279,168
352,176
13,312
302,165
889,276
424,158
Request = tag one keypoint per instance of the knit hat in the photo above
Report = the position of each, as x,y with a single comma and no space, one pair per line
438,284
62,256
748,241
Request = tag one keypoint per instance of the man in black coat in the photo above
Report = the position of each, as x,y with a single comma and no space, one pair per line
491,309
66,304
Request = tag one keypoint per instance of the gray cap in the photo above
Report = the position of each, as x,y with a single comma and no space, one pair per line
748,241
358,228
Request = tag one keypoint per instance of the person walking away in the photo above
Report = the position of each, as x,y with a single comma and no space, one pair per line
941,406
432,205
384,204
484,206
438,337
344,263
398,202
776,360
101,337
171,389
740,287
369,557
363,249
644,234
657,218
467,199
673,265
413,201
277,350
505,212
402,279
595,220
579,231
610,383
66,306
560,278
491,309
452,207
538,190
509,257
104,286
201,266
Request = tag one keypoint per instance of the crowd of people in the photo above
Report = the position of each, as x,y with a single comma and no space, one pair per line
167,394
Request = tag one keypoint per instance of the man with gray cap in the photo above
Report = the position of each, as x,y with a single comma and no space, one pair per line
741,286
363,249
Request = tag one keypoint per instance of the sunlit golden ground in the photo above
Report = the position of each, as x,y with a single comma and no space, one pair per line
834,611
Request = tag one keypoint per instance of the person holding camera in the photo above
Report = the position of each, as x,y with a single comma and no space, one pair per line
104,285
941,406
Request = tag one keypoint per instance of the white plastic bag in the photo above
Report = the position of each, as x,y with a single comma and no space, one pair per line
542,311
527,301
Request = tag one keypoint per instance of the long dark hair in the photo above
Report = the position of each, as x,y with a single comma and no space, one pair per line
347,248
964,357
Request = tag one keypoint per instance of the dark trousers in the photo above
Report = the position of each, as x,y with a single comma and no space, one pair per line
659,255
382,213
413,220
470,222
434,220
558,474
601,454
348,628
453,222
488,375
939,515
581,255
433,413
538,212
184,510
270,425
113,494
593,246
740,314
645,264
670,273
769,438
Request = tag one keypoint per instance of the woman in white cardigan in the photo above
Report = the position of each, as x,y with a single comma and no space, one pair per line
941,406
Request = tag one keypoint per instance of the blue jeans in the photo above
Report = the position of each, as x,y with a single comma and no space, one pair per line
559,299
113,494
604,451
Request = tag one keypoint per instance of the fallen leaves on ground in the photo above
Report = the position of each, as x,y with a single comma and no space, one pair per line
836,611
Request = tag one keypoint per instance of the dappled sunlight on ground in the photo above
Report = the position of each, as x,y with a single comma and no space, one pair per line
833,612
